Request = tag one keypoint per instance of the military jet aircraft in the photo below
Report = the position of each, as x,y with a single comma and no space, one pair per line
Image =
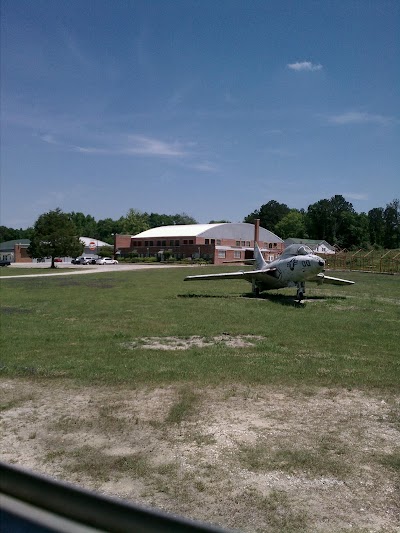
296,265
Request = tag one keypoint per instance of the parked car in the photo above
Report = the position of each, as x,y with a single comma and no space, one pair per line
84,261
87,261
106,261
58,260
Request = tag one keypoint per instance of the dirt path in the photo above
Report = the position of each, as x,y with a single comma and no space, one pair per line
253,459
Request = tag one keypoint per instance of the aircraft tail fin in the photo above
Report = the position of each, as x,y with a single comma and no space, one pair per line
259,259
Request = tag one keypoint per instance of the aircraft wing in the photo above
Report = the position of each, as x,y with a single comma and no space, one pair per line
243,261
227,275
321,278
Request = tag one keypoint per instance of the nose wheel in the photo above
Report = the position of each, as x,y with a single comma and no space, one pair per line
301,289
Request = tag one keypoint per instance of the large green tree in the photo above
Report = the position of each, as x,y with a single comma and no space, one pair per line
318,223
183,218
392,224
155,219
10,234
86,225
331,220
292,225
107,228
269,214
376,226
55,235
135,222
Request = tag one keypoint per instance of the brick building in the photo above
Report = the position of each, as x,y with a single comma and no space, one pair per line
15,251
215,242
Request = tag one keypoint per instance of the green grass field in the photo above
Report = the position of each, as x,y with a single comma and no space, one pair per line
81,327
298,431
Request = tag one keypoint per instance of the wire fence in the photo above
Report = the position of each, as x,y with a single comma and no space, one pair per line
383,261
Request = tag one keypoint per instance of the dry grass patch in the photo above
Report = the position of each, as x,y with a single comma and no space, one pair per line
194,341
252,458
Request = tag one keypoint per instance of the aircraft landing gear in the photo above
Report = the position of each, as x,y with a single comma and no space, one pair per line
256,290
301,289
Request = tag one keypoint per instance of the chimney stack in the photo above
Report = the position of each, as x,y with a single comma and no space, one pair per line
256,231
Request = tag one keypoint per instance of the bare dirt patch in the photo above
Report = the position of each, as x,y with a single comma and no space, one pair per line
254,459
195,341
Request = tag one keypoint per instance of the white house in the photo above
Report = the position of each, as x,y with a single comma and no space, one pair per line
317,246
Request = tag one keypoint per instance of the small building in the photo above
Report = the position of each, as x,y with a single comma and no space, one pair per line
92,246
15,251
216,243
317,246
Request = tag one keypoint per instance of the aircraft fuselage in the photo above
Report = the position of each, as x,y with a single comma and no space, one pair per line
288,271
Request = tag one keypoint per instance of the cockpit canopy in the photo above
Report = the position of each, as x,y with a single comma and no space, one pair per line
297,249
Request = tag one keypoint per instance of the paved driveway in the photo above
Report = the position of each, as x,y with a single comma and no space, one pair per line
84,269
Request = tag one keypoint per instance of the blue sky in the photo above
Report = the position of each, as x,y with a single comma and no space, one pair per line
212,108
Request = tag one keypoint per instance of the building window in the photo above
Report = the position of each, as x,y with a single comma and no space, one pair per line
247,243
212,241
218,242
206,241
177,243
275,245
270,245
158,243
171,243
163,243
243,243
151,243
237,243
184,241
221,254
236,254
190,241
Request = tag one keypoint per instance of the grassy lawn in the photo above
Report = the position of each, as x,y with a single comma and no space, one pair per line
83,327
278,418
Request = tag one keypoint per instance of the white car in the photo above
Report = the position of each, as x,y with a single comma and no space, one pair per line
106,261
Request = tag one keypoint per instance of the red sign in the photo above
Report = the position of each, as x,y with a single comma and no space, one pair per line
92,245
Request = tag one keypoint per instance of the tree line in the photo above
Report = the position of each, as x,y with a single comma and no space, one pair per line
132,223
333,220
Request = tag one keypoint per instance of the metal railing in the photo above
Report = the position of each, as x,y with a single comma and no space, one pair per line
35,503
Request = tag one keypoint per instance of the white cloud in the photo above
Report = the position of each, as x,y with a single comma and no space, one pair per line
128,145
48,138
357,117
204,167
91,150
139,144
304,65
355,195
